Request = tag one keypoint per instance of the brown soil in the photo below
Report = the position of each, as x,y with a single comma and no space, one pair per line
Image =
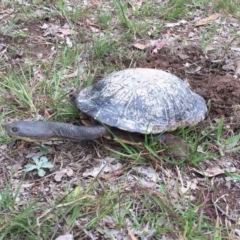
219,88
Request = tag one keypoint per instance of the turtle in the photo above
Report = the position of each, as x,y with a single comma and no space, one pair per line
136,100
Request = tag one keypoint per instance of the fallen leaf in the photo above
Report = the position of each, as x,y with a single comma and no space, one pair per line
159,46
131,235
156,44
27,185
210,171
207,20
94,30
58,176
140,46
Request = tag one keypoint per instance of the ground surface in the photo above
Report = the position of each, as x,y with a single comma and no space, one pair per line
221,89
212,70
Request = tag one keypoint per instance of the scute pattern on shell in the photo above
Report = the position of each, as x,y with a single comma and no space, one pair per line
142,100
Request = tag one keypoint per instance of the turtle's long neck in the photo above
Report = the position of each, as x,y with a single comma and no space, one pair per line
39,131
70,131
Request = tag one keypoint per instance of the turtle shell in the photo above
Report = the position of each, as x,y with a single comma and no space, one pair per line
142,100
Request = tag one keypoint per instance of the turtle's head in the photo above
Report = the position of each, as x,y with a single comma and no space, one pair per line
28,130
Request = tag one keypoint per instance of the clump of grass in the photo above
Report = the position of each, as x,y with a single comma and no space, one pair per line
228,7
220,138
207,37
20,87
122,11
102,46
174,9
15,222
104,19
27,94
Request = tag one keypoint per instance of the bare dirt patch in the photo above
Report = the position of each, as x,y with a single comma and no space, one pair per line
31,45
206,78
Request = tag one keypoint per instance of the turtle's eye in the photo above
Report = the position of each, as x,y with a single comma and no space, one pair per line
15,129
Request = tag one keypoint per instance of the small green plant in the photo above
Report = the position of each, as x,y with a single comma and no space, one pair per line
40,163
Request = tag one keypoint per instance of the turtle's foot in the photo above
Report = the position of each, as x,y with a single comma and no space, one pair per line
179,148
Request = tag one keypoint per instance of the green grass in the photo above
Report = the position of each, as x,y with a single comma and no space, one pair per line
104,19
122,8
35,220
228,7
31,87
102,46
